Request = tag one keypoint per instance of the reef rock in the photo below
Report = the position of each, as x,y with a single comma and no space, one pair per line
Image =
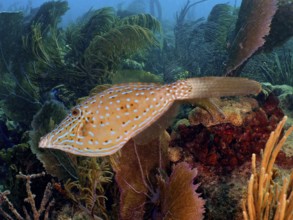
233,110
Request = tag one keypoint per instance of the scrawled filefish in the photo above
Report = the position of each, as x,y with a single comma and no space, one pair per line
103,123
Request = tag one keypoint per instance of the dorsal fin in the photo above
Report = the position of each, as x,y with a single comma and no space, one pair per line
97,89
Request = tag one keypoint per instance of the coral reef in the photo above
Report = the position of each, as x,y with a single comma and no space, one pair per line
225,146
200,172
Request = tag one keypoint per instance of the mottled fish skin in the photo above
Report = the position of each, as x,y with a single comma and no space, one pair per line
102,124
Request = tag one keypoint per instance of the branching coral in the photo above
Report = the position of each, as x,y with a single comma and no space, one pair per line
265,198
37,213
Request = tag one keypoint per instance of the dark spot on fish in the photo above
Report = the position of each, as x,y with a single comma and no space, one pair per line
75,111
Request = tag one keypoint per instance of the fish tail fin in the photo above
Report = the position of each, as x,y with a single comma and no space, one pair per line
212,87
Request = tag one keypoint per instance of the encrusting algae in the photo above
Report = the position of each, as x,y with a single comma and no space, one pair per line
102,124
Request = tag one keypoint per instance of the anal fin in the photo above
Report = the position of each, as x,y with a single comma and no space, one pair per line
157,128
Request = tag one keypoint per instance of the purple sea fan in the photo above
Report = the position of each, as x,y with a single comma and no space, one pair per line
178,197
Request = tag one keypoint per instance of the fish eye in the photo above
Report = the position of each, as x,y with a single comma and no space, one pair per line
75,112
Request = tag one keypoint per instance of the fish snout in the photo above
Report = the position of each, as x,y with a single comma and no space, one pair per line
44,142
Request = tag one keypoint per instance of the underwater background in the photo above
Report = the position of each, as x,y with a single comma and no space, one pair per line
221,158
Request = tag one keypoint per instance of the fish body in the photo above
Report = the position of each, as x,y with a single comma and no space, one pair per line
103,123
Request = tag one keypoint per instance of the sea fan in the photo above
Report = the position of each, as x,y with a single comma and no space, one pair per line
178,197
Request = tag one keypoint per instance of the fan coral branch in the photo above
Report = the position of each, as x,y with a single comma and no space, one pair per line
252,26
264,196
178,196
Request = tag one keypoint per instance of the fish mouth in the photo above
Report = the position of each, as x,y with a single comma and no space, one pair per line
45,143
